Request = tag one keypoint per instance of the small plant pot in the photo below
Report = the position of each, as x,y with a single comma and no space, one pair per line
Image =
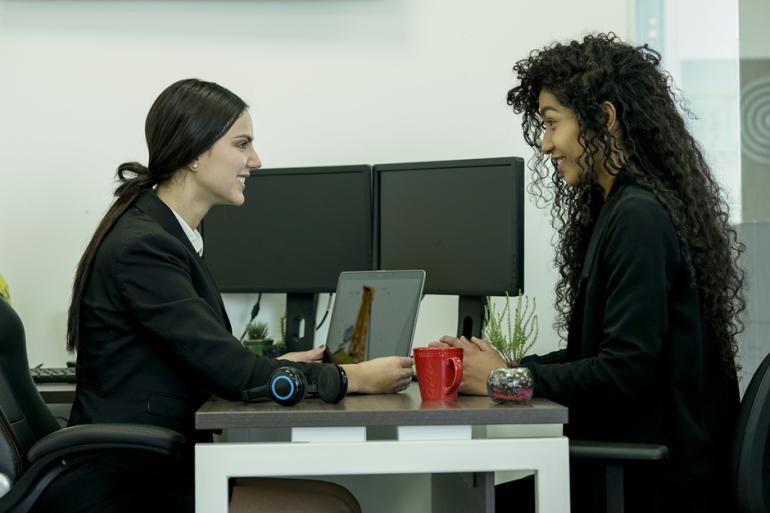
510,385
275,350
260,347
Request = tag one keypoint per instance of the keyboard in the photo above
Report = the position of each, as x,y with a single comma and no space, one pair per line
53,374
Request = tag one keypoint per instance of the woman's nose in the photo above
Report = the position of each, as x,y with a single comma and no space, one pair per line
546,146
254,162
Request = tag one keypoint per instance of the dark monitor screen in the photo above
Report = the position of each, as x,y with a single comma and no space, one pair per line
461,221
298,229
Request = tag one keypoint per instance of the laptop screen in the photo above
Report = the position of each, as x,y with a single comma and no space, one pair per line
374,314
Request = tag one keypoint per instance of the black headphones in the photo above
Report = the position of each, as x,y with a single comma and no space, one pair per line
287,386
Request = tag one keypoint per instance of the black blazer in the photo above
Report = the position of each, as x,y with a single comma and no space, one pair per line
640,365
155,340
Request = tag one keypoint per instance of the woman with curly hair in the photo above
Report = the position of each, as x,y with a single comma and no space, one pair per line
650,289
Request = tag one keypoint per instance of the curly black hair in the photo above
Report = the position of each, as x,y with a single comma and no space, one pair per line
658,153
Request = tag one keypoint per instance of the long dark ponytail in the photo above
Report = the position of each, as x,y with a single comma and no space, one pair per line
186,119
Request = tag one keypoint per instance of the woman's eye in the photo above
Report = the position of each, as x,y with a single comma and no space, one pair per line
547,123
243,145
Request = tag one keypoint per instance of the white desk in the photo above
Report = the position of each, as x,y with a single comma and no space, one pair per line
431,438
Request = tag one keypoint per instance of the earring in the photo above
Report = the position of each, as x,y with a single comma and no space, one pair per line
195,165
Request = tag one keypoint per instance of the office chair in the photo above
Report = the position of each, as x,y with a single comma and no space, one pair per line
34,450
750,472
615,457
751,450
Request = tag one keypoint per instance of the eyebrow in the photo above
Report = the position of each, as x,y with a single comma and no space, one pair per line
246,136
546,109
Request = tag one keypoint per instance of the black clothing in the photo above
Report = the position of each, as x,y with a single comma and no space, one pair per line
640,365
155,344
143,483
155,341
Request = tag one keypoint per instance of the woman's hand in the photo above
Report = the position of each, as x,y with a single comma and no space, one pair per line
479,358
385,375
309,356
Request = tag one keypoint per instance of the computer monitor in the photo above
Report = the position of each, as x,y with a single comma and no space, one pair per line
461,221
298,229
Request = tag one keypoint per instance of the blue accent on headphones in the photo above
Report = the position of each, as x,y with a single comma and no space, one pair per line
329,383
276,393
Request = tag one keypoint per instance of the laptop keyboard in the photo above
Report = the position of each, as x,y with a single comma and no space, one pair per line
53,374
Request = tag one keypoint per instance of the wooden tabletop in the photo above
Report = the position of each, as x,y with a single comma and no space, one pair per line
403,409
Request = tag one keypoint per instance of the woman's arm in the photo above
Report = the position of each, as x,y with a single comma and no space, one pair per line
155,276
379,376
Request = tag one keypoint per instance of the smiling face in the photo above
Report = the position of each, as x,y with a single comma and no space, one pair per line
560,138
220,173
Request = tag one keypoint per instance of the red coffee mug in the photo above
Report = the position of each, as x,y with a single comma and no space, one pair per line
439,372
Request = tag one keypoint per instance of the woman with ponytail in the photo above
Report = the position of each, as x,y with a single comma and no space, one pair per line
151,333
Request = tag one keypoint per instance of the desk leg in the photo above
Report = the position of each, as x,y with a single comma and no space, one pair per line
211,484
552,480
469,492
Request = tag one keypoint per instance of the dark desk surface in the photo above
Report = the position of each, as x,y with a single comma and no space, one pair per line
56,393
404,409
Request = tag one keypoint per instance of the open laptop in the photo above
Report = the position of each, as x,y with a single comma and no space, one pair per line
374,315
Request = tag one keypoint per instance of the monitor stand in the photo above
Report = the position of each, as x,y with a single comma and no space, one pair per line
470,319
299,308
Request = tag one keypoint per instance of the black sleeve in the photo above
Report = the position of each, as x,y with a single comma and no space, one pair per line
154,276
552,357
639,263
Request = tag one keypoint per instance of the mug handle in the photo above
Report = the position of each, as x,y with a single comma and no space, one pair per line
457,366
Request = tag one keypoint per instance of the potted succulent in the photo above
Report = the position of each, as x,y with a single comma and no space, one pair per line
257,338
512,338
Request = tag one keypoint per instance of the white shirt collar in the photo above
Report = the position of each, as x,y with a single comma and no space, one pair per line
194,235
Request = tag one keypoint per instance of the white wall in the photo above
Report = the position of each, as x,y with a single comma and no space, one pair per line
702,54
329,82
755,15
755,229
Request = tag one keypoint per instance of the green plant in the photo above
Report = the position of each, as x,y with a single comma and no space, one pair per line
283,331
257,330
512,339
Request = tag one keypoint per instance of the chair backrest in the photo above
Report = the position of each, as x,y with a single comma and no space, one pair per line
24,417
751,451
